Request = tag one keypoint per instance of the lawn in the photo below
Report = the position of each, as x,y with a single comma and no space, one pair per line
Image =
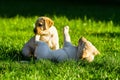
101,29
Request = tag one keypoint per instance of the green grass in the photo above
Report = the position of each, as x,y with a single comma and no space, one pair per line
17,30
99,24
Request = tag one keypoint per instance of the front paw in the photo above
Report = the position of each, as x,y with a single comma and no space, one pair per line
37,37
66,29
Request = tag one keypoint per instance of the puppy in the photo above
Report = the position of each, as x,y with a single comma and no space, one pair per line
84,50
44,27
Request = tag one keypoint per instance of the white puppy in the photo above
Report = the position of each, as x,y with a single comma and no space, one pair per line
68,51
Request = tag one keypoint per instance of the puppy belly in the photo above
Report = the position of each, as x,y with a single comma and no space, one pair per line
45,38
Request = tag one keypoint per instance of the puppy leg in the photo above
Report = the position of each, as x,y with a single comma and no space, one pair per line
66,34
37,38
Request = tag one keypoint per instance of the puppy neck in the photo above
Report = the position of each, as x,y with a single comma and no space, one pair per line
52,26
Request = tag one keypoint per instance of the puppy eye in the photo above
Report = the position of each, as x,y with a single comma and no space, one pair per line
40,25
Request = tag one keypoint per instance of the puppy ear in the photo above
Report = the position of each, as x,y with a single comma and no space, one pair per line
35,30
48,22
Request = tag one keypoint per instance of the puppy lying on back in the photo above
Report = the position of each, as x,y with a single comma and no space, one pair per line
84,50
44,27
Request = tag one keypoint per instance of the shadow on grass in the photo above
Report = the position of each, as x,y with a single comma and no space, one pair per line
107,34
10,53
71,9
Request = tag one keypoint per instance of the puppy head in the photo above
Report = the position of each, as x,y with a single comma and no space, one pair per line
86,50
42,23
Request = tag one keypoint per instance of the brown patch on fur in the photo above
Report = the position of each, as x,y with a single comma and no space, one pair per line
44,27
42,24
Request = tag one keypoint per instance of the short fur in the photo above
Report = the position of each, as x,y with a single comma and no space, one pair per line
84,50
44,27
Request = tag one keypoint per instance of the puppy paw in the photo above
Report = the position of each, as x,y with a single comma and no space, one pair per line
37,37
66,29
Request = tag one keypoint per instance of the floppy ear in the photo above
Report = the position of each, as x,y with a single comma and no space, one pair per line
35,31
48,22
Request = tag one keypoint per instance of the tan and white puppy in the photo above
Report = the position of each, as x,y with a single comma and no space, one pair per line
44,27
84,50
